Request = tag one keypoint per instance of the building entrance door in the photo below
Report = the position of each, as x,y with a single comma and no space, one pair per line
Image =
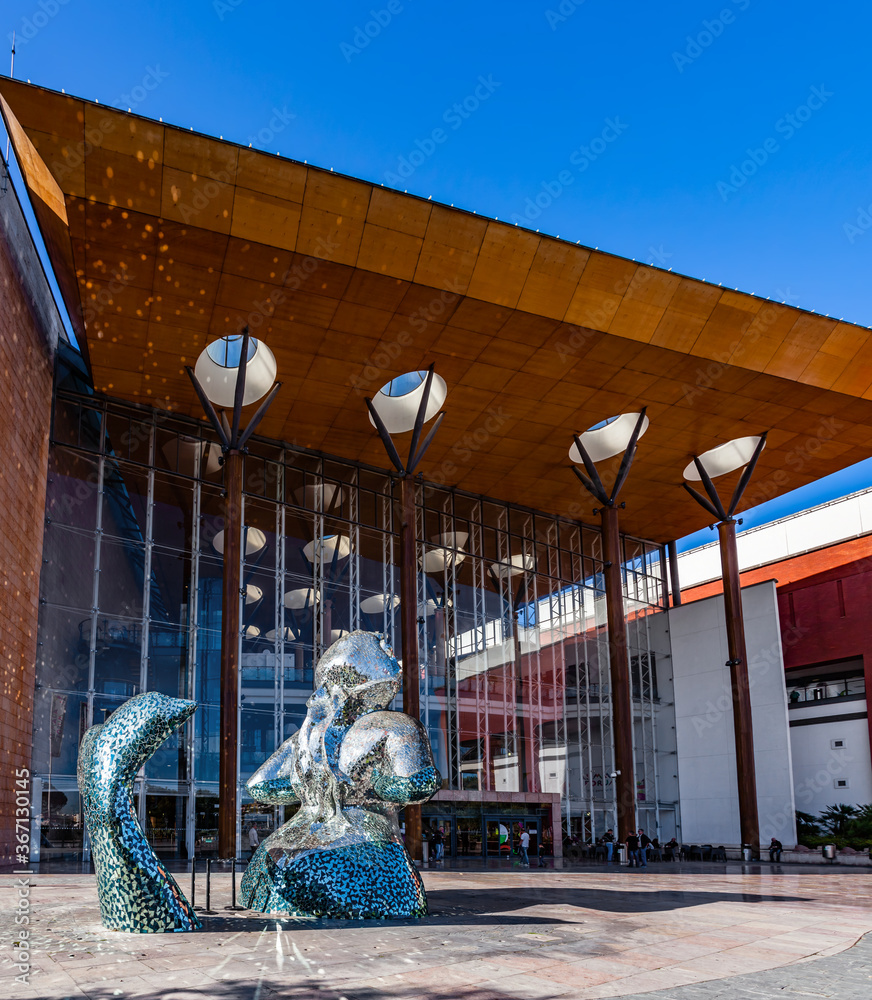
503,837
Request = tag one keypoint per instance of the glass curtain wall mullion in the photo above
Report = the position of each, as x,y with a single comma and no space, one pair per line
355,556
191,687
146,577
479,653
95,598
319,585
424,658
145,619
654,769
279,618
238,638
586,750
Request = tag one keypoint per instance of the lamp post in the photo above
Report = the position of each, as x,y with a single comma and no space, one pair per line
406,404
704,468
612,437
231,373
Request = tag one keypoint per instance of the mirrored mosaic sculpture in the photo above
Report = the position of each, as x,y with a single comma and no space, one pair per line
351,766
135,890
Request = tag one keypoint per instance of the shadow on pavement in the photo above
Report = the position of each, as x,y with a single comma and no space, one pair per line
497,907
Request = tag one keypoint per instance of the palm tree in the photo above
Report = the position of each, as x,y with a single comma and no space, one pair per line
835,819
806,826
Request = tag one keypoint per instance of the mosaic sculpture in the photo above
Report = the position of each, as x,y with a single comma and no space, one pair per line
136,891
350,766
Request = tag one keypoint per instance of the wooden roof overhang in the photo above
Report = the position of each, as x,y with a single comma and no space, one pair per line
164,239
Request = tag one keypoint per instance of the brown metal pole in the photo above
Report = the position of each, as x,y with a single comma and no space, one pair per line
741,689
619,669
674,581
227,773
409,627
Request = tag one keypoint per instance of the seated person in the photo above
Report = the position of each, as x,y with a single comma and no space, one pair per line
775,849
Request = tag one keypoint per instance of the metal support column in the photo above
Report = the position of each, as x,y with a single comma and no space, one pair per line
230,604
409,629
740,688
674,581
619,668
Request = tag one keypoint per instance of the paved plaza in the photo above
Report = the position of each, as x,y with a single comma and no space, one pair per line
686,933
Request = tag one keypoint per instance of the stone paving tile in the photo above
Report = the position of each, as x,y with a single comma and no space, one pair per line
492,936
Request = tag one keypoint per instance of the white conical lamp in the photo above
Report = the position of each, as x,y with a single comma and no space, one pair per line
724,458
327,547
255,540
218,365
397,402
608,438
302,598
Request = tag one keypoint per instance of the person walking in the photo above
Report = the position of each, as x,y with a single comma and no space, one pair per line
253,839
609,841
525,843
644,844
439,844
633,850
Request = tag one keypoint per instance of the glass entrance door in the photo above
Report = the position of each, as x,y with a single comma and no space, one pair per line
503,837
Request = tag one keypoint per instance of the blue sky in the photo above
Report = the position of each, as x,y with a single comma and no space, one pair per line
725,139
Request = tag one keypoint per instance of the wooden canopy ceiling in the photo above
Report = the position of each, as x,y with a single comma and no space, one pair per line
163,240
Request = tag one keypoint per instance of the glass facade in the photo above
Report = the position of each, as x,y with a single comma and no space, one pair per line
514,678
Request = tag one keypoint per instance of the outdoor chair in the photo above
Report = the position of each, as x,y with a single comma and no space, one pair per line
655,854
600,852
706,852
719,853
695,852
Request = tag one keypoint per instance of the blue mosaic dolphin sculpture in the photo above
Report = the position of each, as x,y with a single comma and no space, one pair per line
351,766
135,890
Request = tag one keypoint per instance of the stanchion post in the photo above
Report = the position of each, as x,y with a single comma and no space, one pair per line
208,886
233,905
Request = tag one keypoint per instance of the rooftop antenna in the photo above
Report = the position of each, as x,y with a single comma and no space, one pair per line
11,75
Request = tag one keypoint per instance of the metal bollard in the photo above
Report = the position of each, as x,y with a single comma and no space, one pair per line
208,886
193,883
233,905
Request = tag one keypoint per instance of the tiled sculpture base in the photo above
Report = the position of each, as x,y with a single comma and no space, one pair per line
351,766
136,891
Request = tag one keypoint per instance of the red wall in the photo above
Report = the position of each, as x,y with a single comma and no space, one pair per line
25,409
824,603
